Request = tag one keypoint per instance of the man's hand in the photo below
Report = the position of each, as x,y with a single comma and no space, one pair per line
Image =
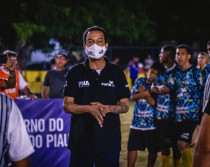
164,89
32,96
120,108
95,109
147,93
10,66
140,89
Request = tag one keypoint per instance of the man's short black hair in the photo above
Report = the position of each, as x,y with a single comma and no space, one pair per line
157,66
95,28
185,47
171,50
208,43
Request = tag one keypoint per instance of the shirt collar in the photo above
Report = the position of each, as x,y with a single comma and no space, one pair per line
171,68
86,64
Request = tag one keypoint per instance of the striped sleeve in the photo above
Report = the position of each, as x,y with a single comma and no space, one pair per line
206,96
18,138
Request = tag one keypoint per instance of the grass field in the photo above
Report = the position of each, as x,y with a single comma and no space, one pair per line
142,156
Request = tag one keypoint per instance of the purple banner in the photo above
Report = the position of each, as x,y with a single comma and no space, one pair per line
48,127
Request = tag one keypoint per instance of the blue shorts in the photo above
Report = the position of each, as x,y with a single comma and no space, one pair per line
89,160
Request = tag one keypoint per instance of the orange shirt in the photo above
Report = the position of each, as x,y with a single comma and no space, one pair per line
13,92
4,74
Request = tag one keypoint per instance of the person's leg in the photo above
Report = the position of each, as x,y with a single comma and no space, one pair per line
152,146
151,159
81,160
164,129
107,160
135,142
176,128
132,155
184,142
186,153
165,157
176,156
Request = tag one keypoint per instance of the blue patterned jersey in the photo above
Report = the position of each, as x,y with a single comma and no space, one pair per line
206,72
165,108
143,116
188,85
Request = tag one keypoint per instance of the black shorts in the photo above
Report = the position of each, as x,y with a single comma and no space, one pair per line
139,140
164,133
183,131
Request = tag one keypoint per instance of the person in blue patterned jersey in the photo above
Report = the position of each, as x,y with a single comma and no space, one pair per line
206,70
165,109
188,86
142,130
203,57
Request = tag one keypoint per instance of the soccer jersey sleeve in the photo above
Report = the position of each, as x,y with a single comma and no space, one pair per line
20,145
207,108
138,83
206,97
160,79
70,87
22,82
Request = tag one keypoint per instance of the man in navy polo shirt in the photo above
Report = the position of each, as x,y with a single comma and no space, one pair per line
95,93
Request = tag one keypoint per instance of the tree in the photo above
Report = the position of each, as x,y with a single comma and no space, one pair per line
36,21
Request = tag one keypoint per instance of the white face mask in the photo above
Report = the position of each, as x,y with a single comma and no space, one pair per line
95,51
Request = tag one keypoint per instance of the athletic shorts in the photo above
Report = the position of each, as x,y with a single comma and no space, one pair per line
139,140
164,133
183,131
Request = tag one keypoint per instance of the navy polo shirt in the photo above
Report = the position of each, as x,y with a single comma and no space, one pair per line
86,86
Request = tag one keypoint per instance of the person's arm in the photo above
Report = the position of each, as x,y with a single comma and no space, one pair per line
202,147
94,109
46,85
159,89
44,91
20,144
22,163
120,108
150,100
140,95
24,87
11,82
27,91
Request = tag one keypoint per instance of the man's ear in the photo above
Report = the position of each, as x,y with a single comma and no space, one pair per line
84,46
189,56
107,46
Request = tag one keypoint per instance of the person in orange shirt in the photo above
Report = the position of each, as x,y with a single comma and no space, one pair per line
20,82
7,73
